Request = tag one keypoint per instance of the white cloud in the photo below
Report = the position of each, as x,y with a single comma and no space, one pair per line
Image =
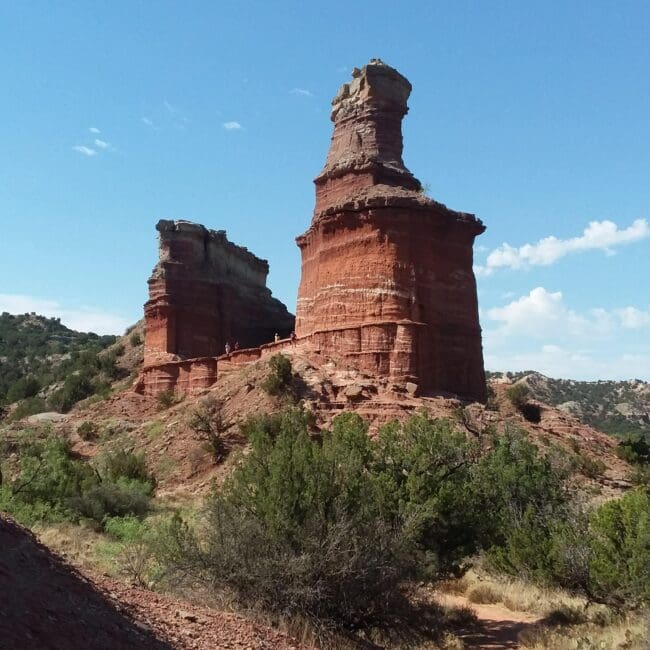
102,144
633,318
83,319
232,126
544,314
86,151
172,109
598,235
539,331
149,123
562,362
94,129
301,91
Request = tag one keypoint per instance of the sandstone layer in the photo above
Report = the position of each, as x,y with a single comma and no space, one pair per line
204,292
387,284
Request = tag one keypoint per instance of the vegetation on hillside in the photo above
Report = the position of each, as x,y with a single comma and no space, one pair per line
334,528
619,408
42,481
46,366
339,528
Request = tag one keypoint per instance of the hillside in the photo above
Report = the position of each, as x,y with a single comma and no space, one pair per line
615,407
44,365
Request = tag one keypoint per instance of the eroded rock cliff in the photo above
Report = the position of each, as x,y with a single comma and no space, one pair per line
387,283
204,292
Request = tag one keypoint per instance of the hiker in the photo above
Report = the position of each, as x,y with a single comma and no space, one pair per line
236,345
227,347
277,337
293,338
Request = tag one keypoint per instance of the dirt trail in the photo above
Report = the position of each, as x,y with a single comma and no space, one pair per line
499,626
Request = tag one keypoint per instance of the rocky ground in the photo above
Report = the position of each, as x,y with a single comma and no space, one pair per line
46,603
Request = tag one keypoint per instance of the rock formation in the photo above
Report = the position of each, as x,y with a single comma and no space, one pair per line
387,284
204,292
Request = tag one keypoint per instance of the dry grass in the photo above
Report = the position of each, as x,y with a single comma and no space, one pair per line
483,594
517,595
77,544
568,623
629,633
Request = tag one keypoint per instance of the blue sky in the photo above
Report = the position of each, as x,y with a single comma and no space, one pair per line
534,116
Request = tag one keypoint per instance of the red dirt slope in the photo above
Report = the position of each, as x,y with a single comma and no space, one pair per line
48,604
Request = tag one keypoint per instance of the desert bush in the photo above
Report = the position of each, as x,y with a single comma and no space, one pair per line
27,407
24,387
45,478
635,449
620,550
591,467
131,550
112,499
519,395
640,476
491,402
88,430
49,484
165,399
207,422
75,388
604,554
297,529
481,594
135,339
278,381
125,463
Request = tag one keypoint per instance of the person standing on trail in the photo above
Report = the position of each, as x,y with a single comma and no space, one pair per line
227,347
236,345
277,337
293,338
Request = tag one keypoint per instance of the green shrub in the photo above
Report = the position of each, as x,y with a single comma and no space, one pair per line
124,463
591,467
634,449
620,550
88,430
491,402
29,406
135,339
518,394
75,388
165,399
207,422
46,478
604,554
132,550
24,387
113,499
49,484
298,530
278,381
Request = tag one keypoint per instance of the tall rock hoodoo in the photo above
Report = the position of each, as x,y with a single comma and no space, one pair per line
387,284
205,291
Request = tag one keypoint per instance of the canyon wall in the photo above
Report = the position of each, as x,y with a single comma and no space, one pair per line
387,284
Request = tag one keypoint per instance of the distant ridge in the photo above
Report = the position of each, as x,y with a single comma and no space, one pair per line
619,408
